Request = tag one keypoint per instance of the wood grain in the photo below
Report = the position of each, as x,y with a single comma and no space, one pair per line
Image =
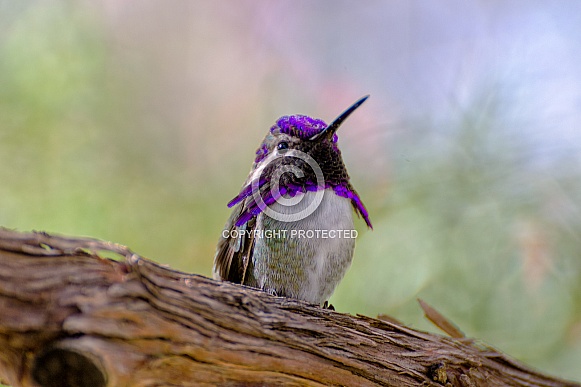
69,317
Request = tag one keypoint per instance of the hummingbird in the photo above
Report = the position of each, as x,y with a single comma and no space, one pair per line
291,232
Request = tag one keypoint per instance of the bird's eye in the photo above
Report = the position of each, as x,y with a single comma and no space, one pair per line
282,145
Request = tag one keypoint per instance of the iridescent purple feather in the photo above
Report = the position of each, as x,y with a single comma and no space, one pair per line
303,127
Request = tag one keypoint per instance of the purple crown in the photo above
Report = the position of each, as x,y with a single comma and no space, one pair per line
299,126
303,127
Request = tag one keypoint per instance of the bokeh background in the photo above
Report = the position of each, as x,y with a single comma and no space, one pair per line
137,121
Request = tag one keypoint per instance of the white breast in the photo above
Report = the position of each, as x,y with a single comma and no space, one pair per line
323,259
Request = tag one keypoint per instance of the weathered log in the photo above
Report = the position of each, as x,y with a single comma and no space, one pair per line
69,317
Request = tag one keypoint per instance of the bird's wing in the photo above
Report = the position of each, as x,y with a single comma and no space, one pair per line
236,245
234,250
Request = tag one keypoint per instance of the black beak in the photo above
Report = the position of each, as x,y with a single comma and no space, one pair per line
330,130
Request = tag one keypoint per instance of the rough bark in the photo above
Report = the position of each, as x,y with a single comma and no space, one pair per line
69,317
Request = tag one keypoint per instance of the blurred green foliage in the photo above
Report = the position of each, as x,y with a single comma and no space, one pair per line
488,240
73,158
469,223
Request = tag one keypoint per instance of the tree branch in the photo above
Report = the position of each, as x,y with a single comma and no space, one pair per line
71,318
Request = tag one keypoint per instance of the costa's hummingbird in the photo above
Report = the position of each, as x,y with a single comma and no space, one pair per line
291,233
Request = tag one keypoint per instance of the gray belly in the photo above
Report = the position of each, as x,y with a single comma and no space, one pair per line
304,258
